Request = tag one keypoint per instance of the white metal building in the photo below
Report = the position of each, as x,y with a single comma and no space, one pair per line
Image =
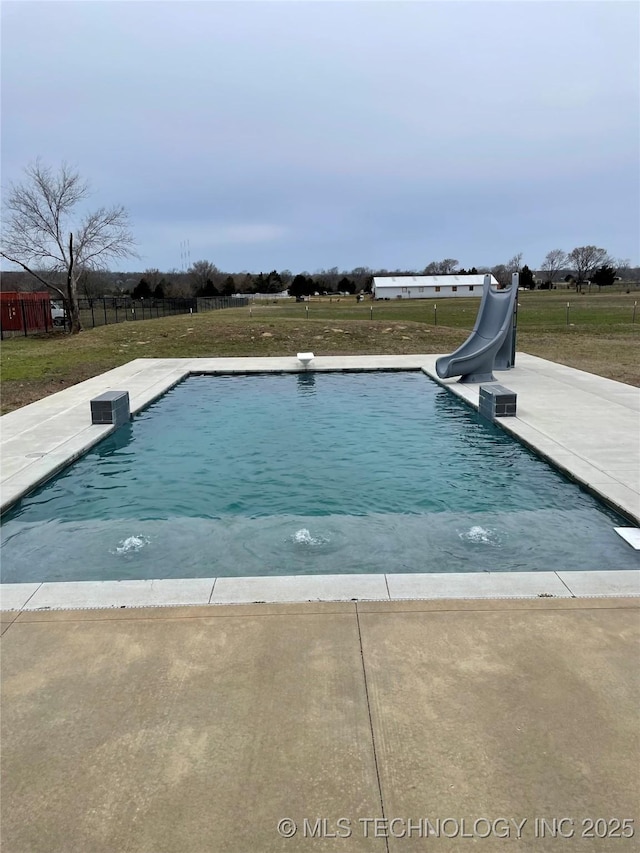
427,286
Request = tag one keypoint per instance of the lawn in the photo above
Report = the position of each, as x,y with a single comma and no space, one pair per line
598,336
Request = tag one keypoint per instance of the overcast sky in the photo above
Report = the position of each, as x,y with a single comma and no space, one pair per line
306,135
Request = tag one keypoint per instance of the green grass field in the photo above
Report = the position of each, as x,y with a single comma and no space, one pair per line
536,309
599,337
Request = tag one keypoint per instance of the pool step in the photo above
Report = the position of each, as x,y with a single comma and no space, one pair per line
630,535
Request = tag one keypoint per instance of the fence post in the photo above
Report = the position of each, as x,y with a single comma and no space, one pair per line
47,324
24,317
567,313
104,306
93,319
635,305
116,307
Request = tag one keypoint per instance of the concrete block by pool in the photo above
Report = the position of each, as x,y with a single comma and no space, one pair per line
112,407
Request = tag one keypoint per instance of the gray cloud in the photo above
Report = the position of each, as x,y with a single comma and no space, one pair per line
304,135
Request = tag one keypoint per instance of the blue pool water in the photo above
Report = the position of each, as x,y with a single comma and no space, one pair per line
307,474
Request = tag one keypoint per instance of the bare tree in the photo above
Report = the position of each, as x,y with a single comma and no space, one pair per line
623,266
554,261
448,266
201,274
445,267
585,260
502,275
331,278
514,264
94,283
178,284
39,234
503,272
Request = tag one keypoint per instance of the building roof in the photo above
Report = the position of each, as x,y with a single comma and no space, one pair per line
429,280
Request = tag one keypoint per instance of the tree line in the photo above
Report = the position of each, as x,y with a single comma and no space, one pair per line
68,253
582,265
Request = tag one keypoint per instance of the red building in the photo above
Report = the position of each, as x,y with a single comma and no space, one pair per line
25,312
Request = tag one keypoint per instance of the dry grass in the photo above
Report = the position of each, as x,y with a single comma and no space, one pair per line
603,339
614,357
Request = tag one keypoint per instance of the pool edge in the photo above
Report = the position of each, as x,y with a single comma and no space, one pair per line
295,589
141,376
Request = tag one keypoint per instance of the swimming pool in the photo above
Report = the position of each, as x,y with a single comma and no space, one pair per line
307,474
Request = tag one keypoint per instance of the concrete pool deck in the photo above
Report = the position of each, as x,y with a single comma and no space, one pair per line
184,730
585,425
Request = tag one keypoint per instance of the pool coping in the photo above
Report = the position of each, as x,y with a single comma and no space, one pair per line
39,440
77,595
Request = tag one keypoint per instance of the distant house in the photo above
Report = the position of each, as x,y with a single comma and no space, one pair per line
560,278
283,294
427,286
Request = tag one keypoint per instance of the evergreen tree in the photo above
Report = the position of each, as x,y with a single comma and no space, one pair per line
298,286
345,285
208,290
142,290
526,278
604,276
273,282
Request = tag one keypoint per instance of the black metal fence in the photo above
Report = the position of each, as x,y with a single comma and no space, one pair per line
104,311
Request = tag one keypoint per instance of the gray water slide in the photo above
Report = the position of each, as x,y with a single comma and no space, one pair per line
490,344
